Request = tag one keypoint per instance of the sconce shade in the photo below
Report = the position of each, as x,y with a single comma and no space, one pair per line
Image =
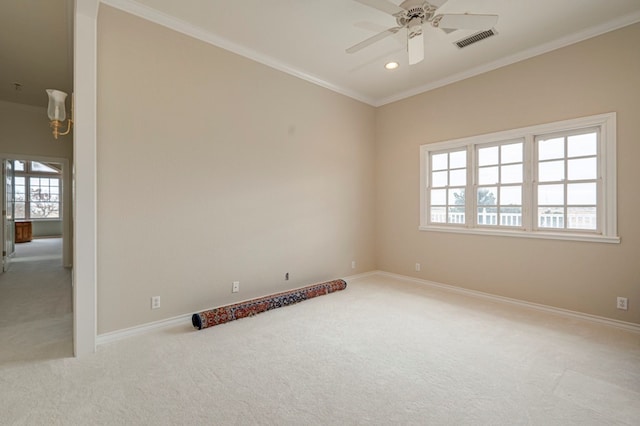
56,110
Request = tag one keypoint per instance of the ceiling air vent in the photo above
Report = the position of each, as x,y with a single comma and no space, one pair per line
475,38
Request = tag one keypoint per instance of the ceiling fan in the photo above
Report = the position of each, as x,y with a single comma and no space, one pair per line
412,14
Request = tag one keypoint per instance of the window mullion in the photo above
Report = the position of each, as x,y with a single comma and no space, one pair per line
528,193
470,189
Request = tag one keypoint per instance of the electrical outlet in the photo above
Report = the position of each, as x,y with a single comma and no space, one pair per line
155,302
235,287
622,303
418,267
353,264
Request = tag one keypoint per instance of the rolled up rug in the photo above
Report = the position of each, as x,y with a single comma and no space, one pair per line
252,307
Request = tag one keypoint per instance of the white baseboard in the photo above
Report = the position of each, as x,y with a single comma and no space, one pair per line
113,336
361,276
628,326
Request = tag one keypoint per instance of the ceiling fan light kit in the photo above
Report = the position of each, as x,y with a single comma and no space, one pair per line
412,15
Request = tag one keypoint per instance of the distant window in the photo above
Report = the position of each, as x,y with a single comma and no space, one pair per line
556,180
37,191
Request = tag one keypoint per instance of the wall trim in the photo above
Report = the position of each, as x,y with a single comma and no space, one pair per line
578,37
623,325
137,330
185,319
361,276
142,11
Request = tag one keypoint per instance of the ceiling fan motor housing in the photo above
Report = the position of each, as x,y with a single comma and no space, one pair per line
416,13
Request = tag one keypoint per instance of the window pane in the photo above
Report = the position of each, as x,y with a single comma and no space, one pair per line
511,174
582,218
511,196
439,161
456,197
19,210
458,159
438,214
39,167
42,210
18,166
551,171
439,179
551,217
551,194
581,193
458,177
487,196
488,156
488,175
511,153
583,168
19,194
582,145
439,197
456,215
487,216
552,148
511,216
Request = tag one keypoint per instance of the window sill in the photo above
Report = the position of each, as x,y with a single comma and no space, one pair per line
545,235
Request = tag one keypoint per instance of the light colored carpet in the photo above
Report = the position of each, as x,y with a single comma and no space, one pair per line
35,304
381,352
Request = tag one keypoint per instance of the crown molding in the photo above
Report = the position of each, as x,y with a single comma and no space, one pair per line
175,24
160,18
518,57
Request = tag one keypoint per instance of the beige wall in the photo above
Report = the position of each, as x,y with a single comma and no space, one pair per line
213,168
595,76
25,131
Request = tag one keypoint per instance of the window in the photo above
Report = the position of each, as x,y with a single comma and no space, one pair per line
36,191
500,181
556,180
448,183
567,180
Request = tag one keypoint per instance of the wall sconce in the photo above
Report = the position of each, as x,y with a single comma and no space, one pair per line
56,112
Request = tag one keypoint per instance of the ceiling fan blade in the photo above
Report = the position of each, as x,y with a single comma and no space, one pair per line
382,5
465,21
415,47
386,33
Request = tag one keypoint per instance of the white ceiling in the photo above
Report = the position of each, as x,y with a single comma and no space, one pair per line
36,49
308,38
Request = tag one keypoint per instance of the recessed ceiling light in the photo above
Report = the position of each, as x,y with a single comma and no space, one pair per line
391,65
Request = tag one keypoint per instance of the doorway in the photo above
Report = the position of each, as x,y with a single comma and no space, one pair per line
36,318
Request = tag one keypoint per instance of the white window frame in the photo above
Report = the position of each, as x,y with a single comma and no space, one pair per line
607,196
27,174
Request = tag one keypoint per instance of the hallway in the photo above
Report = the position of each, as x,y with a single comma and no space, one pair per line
36,304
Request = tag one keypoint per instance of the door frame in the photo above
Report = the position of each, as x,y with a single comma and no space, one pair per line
85,176
6,253
67,219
